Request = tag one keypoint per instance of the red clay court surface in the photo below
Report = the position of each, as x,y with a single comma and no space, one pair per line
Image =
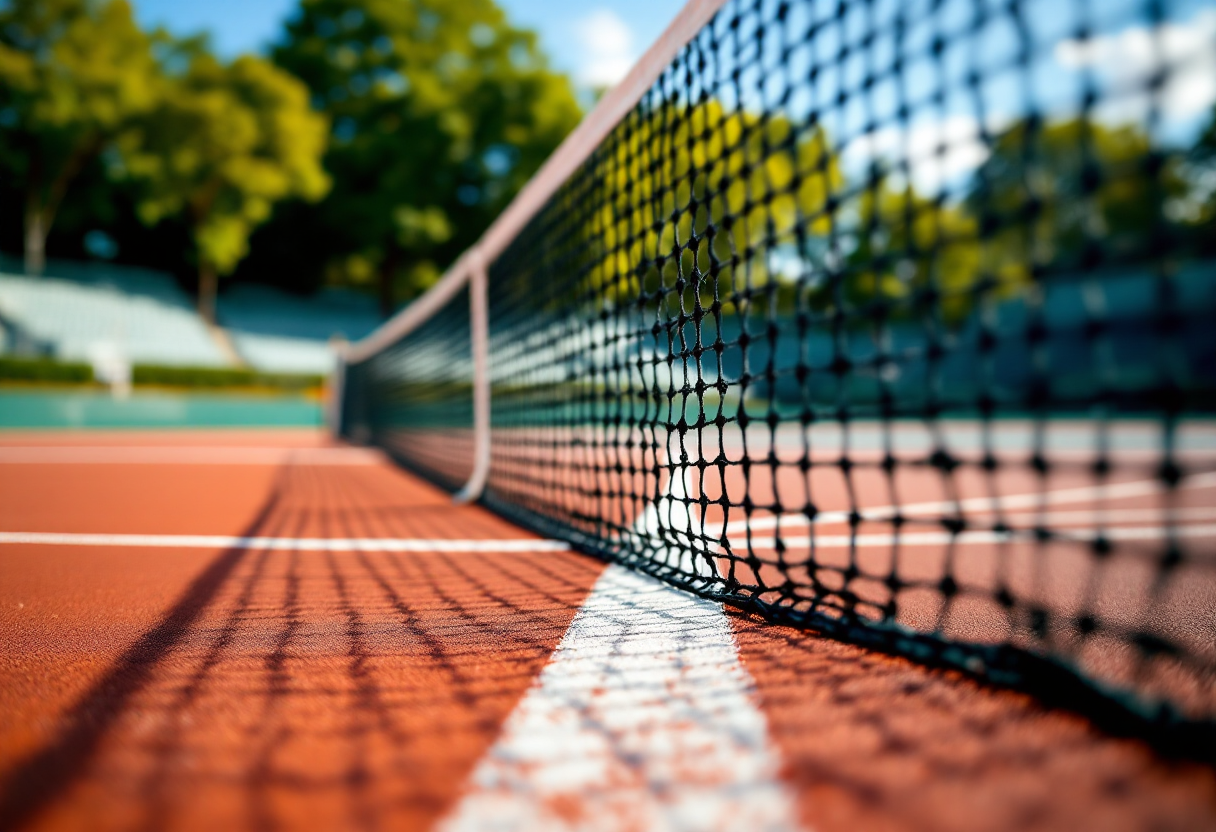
250,688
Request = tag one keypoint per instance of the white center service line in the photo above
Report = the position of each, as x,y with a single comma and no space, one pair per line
644,718
297,544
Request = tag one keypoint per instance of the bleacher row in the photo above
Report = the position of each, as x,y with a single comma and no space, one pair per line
76,312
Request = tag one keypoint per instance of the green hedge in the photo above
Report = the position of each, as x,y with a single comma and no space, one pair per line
44,369
50,371
221,377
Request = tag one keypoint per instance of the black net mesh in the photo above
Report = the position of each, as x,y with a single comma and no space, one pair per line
891,319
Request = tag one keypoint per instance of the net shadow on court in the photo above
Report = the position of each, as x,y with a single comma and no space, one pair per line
332,688
878,742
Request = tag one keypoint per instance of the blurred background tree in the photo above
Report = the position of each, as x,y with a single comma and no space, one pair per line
907,245
427,116
434,114
758,186
222,145
1069,194
75,76
439,113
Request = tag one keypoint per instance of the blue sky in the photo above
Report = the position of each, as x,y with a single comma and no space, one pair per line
596,42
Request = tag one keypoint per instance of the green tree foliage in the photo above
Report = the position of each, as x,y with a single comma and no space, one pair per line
740,195
1074,193
729,185
743,195
440,112
224,143
1052,198
75,75
429,115
907,244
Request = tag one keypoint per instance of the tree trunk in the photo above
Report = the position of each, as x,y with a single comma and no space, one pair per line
35,240
42,207
208,282
388,271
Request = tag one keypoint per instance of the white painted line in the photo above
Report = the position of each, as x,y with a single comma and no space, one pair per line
298,544
1012,502
837,541
199,455
667,525
1113,516
644,718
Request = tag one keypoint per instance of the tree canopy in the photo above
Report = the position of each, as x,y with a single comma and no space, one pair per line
439,112
722,187
75,75
426,116
1075,192
223,144
378,139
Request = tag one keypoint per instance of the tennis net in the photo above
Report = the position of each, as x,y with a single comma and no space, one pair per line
892,320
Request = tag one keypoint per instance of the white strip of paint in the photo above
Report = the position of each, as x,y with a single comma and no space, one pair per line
644,718
666,527
1113,516
1012,502
297,544
837,541
198,455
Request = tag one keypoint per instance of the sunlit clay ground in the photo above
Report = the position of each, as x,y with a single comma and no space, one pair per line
263,630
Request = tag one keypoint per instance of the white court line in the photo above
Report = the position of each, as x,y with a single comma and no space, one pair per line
1013,502
298,544
667,526
644,718
837,541
181,455
1114,516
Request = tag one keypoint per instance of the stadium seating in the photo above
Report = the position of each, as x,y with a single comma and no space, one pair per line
142,314
277,331
80,310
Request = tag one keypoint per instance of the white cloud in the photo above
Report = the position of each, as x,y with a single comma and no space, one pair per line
1127,60
940,153
606,42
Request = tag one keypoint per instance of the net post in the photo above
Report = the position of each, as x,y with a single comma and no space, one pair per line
337,392
479,335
